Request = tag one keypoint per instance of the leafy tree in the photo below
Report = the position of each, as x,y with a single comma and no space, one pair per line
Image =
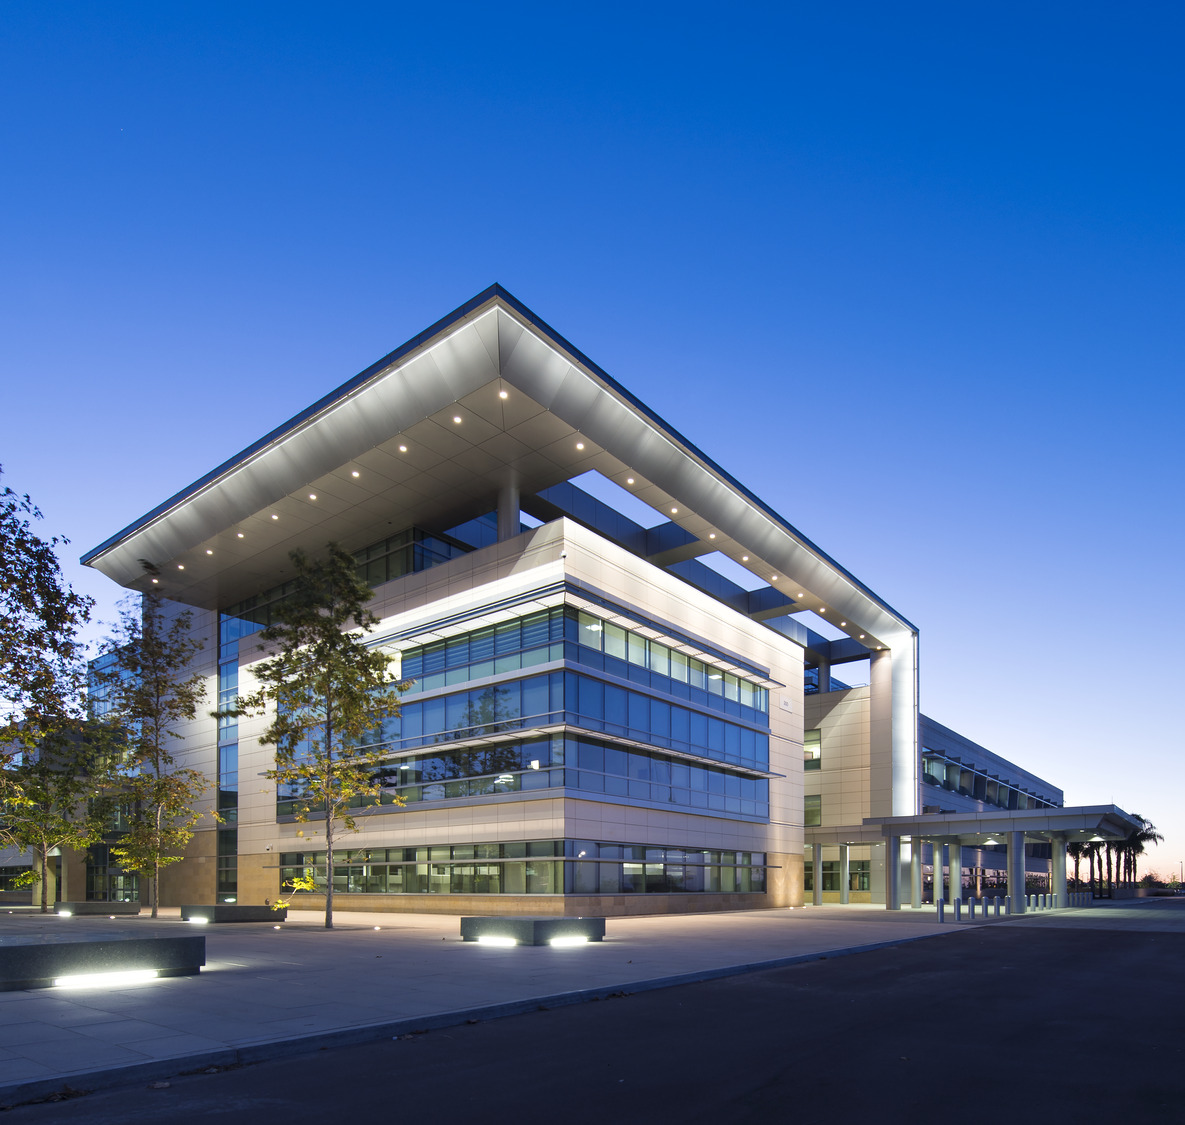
1137,843
56,798
147,690
327,690
42,673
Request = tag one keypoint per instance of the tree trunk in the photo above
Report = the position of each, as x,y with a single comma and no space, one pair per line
1110,884
44,880
1090,856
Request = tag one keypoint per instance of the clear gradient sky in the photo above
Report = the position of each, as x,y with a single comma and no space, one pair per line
912,273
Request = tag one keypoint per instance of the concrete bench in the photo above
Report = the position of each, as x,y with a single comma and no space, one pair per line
233,912
104,909
38,960
532,931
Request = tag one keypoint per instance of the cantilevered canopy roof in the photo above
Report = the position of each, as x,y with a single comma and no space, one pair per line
428,436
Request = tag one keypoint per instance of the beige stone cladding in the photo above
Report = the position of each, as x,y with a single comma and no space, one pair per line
540,560
842,779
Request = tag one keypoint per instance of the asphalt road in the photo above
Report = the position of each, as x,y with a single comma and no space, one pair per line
1002,1023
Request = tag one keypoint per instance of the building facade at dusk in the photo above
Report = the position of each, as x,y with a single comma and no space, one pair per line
625,666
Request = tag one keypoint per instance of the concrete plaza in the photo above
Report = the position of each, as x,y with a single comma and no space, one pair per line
268,992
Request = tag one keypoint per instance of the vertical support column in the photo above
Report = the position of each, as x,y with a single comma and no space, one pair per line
938,846
817,867
824,675
954,891
845,874
915,872
893,873
508,510
1016,871
1057,844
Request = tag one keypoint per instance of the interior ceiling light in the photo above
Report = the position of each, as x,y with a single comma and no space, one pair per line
674,511
180,566
312,496
822,609
274,516
580,445
862,636
457,419
239,534
355,473
629,480
744,558
774,578
843,624
503,394
208,551
711,535
403,449
155,581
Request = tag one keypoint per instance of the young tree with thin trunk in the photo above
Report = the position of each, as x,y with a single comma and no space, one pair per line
326,690
147,689
42,669
57,797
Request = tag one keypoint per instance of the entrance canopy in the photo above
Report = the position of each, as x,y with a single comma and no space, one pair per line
1077,824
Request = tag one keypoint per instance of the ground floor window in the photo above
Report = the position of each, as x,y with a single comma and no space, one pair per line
859,872
545,867
106,881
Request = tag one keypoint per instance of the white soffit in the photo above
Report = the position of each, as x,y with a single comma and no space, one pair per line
256,508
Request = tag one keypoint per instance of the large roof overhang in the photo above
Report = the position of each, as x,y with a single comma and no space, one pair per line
488,397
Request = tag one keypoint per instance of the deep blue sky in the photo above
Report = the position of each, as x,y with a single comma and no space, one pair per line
913,273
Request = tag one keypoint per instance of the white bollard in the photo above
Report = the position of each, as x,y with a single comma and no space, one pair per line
941,910
958,910
997,906
1007,904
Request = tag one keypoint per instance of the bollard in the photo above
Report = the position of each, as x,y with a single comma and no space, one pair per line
941,905
1007,904
997,906
958,910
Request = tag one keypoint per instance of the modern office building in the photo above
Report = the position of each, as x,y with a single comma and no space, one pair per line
616,706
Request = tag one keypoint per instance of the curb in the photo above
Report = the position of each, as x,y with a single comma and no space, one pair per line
16,1093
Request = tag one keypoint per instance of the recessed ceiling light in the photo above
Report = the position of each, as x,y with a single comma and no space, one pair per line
744,558
862,636
312,496
355,473
879,647
208,551
674,511
403,449
711,535
822,609
580,445
239,534
629,480
180,566
774,578
503,394
155,581
274,516
842,624
457,419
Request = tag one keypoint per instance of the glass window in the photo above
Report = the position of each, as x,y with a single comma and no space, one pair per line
812,810
615,643
591,630
812,749
660,659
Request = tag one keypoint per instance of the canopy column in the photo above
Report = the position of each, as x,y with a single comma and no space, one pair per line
845,874
954,891
817,871
1057,844
1016,870
915,872
893,873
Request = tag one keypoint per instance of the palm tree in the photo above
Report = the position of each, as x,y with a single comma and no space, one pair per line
1138,840
1076,850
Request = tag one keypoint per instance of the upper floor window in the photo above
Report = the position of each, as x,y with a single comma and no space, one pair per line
812,751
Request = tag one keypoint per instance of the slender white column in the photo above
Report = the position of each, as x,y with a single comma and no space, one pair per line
845,874
955,882
915,873
1016,870
893,873
817,860
1058,845
508,511
938,846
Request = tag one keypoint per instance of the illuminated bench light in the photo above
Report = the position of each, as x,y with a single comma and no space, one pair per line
98,959
532,931
106,980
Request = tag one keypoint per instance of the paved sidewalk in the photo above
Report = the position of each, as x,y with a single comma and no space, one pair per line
267,991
